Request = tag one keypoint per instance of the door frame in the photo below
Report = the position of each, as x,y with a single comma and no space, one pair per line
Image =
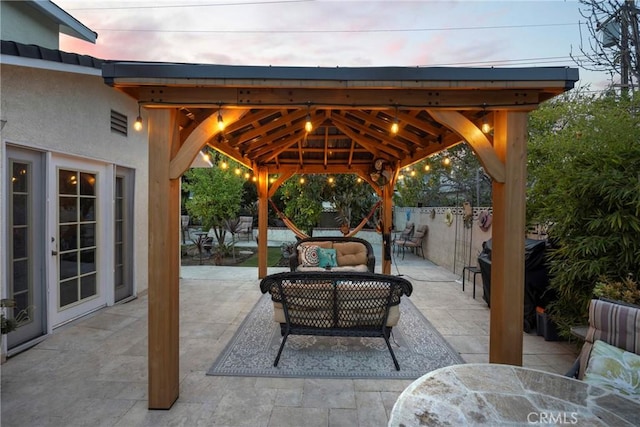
104,240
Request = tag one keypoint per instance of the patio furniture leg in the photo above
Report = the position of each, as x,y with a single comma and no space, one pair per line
284,339
393,356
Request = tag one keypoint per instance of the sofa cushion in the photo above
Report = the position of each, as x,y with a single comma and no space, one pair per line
350,253
613,368
327,258
341,268
308,255
614,324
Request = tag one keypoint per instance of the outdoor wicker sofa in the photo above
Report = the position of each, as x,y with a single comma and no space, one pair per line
351,304
351,254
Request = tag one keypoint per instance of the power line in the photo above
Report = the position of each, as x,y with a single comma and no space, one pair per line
183,6
521,61
383,30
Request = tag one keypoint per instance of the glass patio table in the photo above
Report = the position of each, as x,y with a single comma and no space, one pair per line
494,394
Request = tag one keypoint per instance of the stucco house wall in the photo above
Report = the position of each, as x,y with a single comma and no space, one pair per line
65,113
21,21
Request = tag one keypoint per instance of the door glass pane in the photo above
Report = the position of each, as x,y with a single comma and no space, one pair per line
88,287
20,276
19,234
67,182
87,261
68,265
22,304
87,209
20,242
68,292
68,237
77,236
20,209
119,276
20,178
87,184
87,235
68,211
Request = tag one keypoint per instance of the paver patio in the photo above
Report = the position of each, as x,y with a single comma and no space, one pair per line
94,371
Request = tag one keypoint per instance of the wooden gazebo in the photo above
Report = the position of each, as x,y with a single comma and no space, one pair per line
351,111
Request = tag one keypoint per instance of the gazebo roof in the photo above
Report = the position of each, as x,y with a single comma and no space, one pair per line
351,109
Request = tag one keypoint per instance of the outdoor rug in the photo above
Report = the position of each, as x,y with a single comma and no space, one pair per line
418,346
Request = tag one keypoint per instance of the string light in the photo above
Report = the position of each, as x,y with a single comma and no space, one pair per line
221,123
330,180
485,128
427,168
301,180
238,171
395,126
308,126
138,123
224,165
446,161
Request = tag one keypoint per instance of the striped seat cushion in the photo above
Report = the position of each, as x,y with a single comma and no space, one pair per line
615,324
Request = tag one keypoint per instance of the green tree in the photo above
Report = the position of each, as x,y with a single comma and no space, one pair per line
301,197
436,182
584,181
352,198
215,195
302,200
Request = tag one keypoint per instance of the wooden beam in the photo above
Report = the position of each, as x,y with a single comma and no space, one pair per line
164,261
387,221
474,136
263,220
196,140
508,234
445,94
278,182
363,169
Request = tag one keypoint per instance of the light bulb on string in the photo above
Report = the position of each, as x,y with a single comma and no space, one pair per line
395,126
138,123
221,124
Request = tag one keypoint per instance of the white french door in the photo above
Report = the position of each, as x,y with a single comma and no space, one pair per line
26,254
79,213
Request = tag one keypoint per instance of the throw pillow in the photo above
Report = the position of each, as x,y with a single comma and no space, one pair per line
327,258
308,255
613,368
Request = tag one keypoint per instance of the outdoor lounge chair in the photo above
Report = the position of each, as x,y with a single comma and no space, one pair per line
615,328
404,234
415,241
245,226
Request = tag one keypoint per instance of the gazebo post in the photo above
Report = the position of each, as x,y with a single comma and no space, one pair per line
387,220
507,257
263,220
164,260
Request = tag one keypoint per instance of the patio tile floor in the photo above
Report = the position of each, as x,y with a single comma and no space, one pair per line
94,371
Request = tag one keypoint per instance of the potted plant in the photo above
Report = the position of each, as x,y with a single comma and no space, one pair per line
625,291
7,324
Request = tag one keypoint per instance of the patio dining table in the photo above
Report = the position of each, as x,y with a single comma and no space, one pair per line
494,394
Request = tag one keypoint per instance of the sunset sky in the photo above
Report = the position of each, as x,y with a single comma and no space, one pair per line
336,33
